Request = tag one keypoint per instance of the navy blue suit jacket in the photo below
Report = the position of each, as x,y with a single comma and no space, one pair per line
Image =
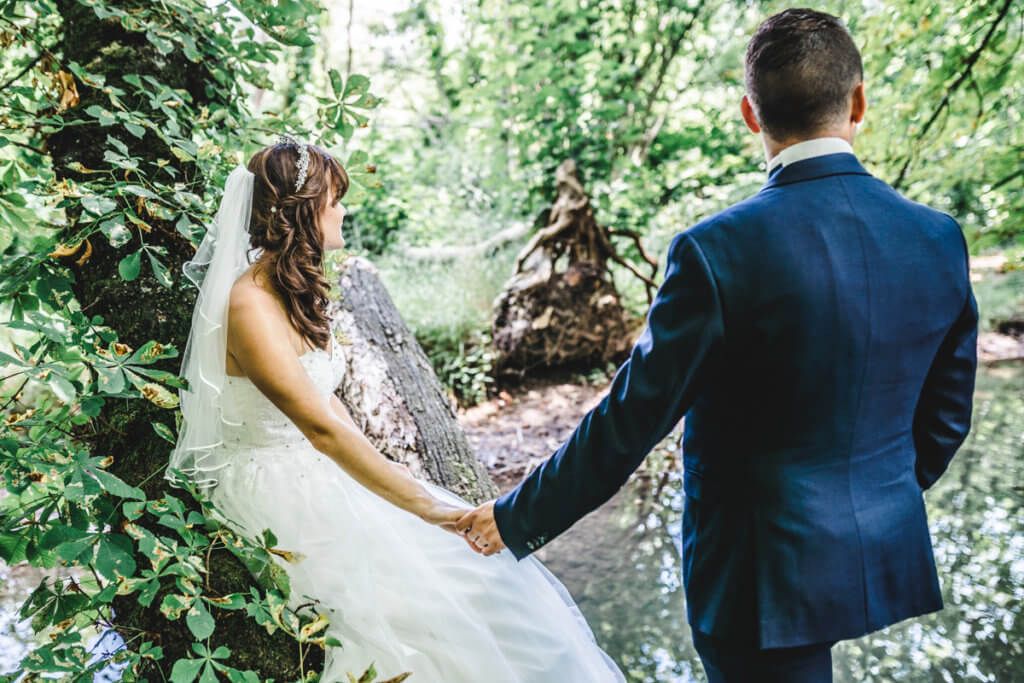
820,338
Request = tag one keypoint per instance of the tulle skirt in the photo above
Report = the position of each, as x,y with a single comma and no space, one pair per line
400,593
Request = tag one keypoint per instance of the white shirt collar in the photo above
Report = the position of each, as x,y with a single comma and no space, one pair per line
814,147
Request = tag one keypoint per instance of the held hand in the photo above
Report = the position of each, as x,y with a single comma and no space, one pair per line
428,507
481,530
433,510
445,516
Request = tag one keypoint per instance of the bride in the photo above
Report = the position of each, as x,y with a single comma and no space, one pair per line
267,440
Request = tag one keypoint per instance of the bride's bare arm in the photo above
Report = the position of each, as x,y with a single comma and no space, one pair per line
262,350
342,412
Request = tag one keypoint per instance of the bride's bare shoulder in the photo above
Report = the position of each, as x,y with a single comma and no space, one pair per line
248,289
250,304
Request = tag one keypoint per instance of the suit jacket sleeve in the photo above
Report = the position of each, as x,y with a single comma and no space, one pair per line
942,418
649,394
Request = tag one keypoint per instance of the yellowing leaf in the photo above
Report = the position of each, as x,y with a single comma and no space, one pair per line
315,626
69,93
288,555
159,395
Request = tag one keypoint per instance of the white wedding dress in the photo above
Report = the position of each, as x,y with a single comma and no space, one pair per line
400,593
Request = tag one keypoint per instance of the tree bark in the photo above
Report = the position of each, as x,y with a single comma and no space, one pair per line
392,392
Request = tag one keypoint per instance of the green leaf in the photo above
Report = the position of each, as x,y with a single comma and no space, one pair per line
208,675
152,351
356,86
159,270
91,405
181,154
230,601
15,199
8,359
59,535
106,595
133,509
140,191
12,547
164,432
369,675
71,551
344,127
199,620
121,147
114,485
173,604
163,45
366,101
114,556
337,83
62,388
357,160
186,670
236,676
110,379
130,266
116,232
98,205
135,129
105,117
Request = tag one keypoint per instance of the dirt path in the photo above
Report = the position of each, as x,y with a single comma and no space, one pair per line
516,431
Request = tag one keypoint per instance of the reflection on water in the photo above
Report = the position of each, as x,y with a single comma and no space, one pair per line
622,565
15,585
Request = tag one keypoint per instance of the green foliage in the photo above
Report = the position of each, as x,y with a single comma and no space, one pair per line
378,221
61,366
463,366
644,95
454,334
946,84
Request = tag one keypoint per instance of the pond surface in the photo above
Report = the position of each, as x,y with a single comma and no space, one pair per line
622,564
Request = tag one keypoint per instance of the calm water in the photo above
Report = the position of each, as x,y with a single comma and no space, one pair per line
622,565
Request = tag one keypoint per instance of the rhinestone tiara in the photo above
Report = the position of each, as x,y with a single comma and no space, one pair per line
303,164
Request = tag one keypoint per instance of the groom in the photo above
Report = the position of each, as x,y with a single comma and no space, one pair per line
820,337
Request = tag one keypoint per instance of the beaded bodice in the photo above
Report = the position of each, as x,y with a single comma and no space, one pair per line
251,420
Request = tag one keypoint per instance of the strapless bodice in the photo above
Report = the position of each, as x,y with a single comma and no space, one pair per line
252,420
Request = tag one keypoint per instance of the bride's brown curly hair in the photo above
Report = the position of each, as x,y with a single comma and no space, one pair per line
289,235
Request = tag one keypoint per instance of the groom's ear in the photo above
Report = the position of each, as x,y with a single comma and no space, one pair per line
748,115
858,103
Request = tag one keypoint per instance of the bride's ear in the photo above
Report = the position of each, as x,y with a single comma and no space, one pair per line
749,117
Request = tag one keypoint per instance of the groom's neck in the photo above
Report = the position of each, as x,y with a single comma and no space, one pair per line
772,147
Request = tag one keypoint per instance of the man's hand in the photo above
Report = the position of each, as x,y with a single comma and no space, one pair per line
481,530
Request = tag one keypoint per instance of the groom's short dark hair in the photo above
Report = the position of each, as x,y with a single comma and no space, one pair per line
801,66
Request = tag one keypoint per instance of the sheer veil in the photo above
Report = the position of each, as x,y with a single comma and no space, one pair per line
221,258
